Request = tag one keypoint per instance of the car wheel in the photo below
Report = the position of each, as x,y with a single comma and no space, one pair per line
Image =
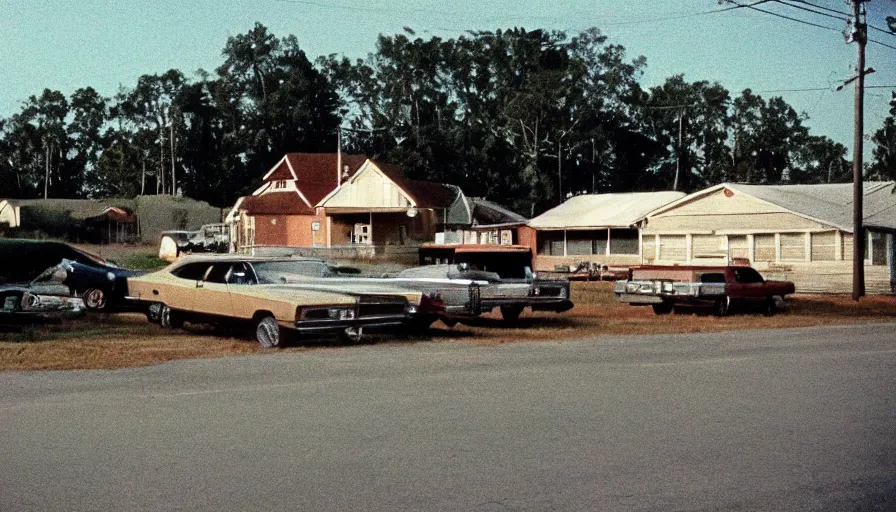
421,324
722,306
769,308
663,308
351,335
169,319
267,332
511,313
154,313
94,298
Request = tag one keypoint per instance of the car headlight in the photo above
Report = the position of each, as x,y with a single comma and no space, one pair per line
110,276
412,309
340,313
30,301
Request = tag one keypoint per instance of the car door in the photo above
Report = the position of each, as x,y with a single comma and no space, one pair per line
749,285
212,297
179,292
240,280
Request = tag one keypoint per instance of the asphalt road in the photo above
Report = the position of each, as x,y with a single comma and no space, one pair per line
757,420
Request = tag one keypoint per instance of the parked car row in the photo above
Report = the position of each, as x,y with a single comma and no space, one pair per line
310,296
275,296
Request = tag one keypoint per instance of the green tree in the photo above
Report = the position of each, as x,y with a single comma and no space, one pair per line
883,164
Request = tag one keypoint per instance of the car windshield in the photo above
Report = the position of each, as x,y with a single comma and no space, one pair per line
271,272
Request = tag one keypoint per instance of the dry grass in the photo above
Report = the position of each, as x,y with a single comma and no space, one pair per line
127,340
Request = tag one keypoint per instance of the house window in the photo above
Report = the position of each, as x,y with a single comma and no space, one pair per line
586,243
764,247
673,247
624,241
280,184
550,243
793,246
824,246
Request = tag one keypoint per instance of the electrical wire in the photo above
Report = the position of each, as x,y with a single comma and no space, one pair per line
804,22
788,4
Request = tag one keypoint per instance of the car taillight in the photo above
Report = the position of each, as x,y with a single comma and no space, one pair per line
431,305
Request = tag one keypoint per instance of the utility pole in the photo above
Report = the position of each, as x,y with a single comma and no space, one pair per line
859,35
560,171
678,153
173,176
593,169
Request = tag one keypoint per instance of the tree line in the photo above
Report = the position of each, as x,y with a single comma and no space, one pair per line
526,118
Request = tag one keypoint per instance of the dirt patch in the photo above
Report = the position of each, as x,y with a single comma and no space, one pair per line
128,340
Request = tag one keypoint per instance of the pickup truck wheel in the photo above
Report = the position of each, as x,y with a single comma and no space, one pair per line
267,332
722,306
94,298
511,313
170,319
663,308
769,308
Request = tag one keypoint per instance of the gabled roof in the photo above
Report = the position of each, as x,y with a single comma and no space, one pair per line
426,194
276,203
422,194
826,203
600,211
314,173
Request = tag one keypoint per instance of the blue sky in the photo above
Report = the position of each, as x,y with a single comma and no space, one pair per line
64,44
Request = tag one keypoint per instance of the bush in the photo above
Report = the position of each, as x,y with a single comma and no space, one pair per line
143,261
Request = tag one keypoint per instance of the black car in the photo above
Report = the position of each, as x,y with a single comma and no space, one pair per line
99,282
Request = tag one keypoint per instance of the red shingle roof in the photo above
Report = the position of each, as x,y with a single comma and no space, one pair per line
315,173
276,203
426,194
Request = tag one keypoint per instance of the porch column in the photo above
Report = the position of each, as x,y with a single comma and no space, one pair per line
564,243
370,230
808,243
891,261
838,245
777,247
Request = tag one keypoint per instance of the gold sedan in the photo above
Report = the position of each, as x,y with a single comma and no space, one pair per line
227,289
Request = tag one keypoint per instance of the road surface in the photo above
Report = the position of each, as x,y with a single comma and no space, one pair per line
801,419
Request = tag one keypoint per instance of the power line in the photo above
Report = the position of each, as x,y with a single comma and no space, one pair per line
682,16
875,41
804,22
820,13
789,4
811,89
822,7
881,30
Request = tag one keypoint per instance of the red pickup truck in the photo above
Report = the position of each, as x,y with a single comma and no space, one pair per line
718,287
